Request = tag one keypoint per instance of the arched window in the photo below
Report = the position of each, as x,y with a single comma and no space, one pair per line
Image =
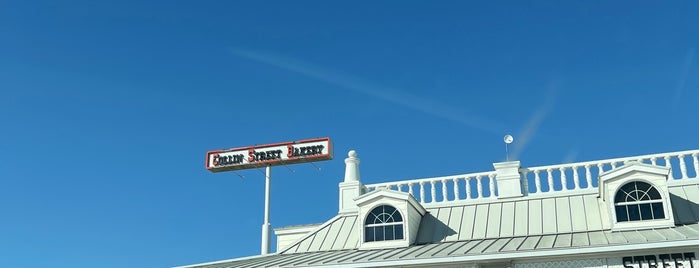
383,223
637,201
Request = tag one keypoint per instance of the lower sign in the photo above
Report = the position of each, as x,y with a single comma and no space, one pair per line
269,155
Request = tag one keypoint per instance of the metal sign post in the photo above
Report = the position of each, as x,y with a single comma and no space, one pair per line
266,226
269,155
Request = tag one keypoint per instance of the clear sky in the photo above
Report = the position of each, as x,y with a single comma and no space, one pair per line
108,109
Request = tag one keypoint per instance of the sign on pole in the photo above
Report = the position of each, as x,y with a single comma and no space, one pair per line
269,155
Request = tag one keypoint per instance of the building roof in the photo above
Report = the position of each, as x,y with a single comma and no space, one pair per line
561,244
559,214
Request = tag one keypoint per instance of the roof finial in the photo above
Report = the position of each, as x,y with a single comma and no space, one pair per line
507,139
351,167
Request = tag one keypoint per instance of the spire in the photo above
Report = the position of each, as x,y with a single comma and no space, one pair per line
351,167
351,187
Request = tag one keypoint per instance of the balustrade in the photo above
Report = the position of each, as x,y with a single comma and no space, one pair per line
677,161
472,185
433,195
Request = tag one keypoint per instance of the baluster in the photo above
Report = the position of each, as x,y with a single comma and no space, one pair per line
491,187
668,164
444,190
537,181
524,177
588,176
479,186
654,161
410,188
456,188
422,192
696,164
549,175
613,165
433,192
468,188
600,168
564,181
576,178
683,166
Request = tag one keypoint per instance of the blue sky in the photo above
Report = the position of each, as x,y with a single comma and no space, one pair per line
109,108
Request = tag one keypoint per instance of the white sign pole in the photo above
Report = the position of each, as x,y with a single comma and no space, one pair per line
269,155
266,238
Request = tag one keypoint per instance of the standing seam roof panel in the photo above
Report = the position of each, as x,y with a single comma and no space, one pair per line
497,245
535,218
521,218
467,221
507,220
494,221
578,215
481,221
455,219
580,240
563,219
514,244
692,193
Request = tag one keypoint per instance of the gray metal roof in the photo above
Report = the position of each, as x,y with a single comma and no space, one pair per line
569,222
540,215
515,247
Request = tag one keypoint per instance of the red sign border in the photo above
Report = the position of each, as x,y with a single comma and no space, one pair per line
320,157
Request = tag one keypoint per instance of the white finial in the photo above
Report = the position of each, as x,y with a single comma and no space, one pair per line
507,139
351,167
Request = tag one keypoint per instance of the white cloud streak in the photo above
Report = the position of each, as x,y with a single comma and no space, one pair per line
684,74
532,126
348,82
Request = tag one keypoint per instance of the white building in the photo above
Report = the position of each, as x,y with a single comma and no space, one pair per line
640,211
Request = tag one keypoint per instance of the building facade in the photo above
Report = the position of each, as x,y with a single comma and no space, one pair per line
640,211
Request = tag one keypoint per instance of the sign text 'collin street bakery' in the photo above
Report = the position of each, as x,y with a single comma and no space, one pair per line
269,154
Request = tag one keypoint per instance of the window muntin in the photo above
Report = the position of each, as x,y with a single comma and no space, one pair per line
637,201
382,224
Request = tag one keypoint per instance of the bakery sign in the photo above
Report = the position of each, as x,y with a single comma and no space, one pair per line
269,155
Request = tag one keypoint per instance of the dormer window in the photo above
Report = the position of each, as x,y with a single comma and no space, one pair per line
637,201
383,223
637,196
387,219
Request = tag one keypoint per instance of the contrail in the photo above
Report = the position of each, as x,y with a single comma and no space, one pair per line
533,124
355,84
688,61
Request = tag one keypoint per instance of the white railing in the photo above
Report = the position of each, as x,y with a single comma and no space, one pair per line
582,175
543,179
443,189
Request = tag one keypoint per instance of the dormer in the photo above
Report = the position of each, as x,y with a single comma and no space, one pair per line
388,219
636,196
